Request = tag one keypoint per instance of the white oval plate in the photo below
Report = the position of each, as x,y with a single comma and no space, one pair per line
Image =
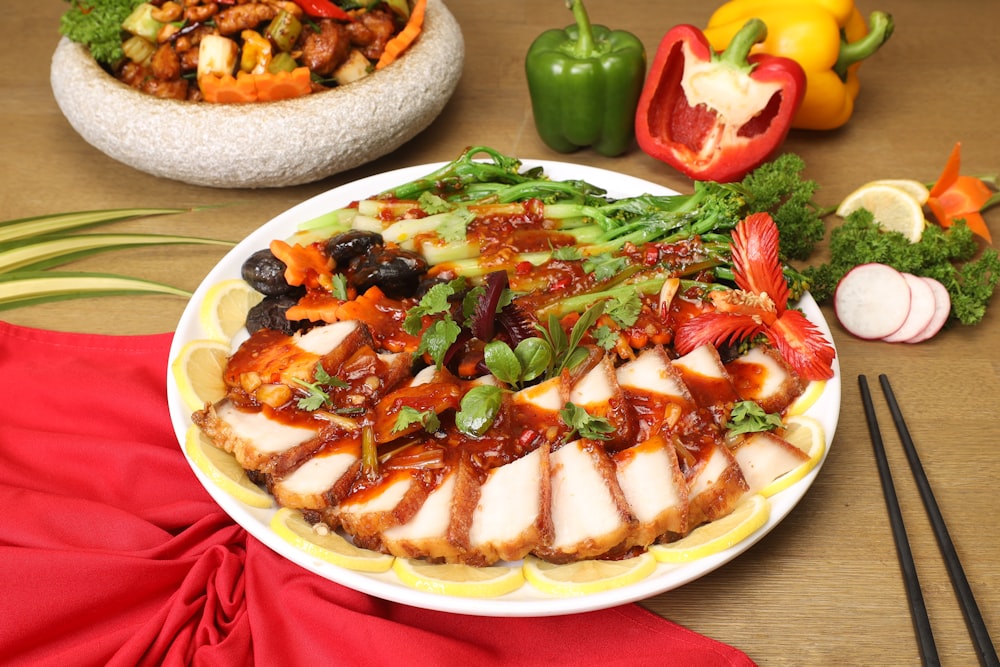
526,601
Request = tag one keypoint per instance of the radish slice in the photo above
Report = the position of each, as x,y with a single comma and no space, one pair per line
922,306
872,301
942,309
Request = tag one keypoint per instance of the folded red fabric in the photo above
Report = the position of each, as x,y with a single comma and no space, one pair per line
112,552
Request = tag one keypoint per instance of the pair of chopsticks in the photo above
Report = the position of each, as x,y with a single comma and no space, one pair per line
974,620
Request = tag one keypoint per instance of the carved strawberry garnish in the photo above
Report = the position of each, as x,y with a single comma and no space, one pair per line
759,306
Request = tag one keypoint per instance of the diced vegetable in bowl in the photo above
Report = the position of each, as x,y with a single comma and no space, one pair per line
334,122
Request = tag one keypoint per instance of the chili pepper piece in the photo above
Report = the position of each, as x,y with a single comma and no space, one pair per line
584,82
323,9
716,116
829,38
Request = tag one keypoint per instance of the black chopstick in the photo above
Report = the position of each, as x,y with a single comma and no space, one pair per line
973,618
918,610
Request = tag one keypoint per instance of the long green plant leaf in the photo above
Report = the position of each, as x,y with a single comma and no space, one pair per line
47,224
46,252
23,288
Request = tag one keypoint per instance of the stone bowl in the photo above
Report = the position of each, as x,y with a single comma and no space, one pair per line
270,144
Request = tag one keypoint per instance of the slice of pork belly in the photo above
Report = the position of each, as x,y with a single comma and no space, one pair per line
431,389
270,357
368,511
590,515
654,391
438,530
308,485
512,514
256,440
599,394
764,457
535,410
763,376
715,483
654,488
706,378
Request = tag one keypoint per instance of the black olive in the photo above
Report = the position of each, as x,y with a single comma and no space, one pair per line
395,272
270,314
354,243
266,273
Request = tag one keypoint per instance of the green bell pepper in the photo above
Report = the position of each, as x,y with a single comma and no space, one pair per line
585,83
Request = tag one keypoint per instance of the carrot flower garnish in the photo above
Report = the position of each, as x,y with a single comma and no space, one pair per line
759,306
956,197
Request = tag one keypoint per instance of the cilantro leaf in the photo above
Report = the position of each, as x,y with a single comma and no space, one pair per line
318,397
434,302
409,415
438,338
749,417
624,308
585,424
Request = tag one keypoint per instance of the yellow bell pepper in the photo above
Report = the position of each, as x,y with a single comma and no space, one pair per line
828,38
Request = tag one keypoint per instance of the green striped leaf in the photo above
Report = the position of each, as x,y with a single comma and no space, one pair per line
23,288
49,251
47,224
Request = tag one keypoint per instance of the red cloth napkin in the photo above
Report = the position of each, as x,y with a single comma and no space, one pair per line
112,553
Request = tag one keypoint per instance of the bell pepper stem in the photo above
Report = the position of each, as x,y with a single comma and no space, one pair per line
880,27
753,31
585,44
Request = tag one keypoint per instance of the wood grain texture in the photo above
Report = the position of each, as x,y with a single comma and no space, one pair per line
825,587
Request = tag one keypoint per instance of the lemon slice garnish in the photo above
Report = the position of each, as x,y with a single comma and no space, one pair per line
587,576
458,579
325,544
894,209
224,309
197,371
914,188
719,535
223,470
807,434
807,398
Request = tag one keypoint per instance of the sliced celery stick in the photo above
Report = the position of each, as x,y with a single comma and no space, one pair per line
340,218
437,253
376,208
405,230
471,268
367,223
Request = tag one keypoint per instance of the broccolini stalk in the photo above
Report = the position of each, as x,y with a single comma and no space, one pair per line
455,175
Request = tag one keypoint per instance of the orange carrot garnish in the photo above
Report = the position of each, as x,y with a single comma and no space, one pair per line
402,41
956,197
304,265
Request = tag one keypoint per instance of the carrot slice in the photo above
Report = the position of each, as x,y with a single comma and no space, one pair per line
950,172
264,87
402,41
304,265
315,307
228,89
283,85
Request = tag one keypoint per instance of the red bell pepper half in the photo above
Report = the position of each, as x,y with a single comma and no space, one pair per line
716,116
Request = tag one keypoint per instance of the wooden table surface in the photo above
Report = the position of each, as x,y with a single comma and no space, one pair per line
823,588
